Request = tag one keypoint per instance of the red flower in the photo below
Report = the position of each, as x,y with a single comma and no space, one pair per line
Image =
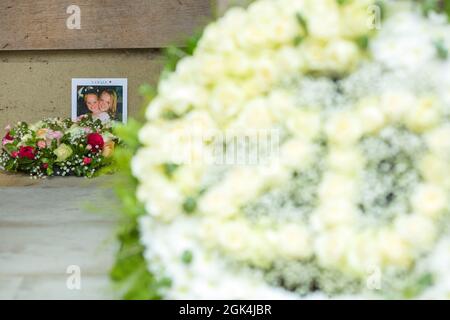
45,166
87,161
14,154
8,136
7,139
96,141
26,152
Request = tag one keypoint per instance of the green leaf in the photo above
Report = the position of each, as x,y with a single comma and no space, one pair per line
187,257
302,21
441,49
190,205
342,2
363,42
170,168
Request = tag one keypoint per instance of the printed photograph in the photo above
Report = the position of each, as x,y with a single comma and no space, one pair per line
103,99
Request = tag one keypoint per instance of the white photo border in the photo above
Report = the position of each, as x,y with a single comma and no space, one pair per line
123,82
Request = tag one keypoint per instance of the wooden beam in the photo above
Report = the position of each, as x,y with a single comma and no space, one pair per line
104,24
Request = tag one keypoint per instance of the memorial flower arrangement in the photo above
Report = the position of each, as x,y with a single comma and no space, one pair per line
55,147
350,196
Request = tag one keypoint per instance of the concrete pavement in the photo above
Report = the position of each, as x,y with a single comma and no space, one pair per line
47,226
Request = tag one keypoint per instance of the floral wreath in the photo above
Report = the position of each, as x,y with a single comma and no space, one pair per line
359,182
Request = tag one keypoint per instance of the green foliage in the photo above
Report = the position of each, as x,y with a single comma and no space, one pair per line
302,22
418,286
130,274
441,50
440,6
187,257
190,205
174,54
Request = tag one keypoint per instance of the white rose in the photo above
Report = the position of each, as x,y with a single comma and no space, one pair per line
432,167
255,116
335,186
429,200
396,105
303,123
217,203
290,60
143,164
233,236
243,184
344,129
341,55
237,64
156,108
354,18
438,141
372,118
161,199
188,177
416,229
294,242
282,104
297,153
322,18
332,246
362,256
393,249
265,72
226,100
345,160
424,114
336,213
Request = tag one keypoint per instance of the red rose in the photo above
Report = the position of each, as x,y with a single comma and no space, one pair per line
14,154
96,141
87,161
26,152
45,166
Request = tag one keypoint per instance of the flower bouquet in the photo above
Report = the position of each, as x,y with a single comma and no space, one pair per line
55,147
348,199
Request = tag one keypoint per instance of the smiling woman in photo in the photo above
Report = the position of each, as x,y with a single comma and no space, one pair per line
108,104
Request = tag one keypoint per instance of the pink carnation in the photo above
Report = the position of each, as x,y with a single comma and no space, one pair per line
41,144
55,135
87,161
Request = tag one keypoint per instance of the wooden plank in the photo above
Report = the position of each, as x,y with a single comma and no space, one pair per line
46,228
104,24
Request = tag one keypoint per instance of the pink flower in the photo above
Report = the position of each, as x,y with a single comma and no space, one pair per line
88,147
14,154
7,139
87,130
55,135
87,160
41,144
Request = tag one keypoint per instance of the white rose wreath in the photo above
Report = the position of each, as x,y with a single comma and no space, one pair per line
350,197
